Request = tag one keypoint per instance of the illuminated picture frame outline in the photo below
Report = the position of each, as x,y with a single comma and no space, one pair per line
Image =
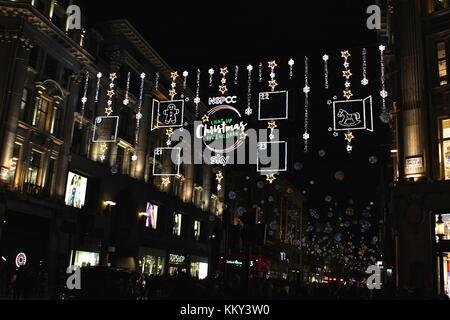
272,119
158,103
364,101
95,129
258,166
178,164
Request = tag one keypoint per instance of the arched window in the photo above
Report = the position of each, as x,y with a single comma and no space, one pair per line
47,113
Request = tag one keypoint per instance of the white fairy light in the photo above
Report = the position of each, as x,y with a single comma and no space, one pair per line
325,59
185,76
139,110
384,117
157,81
126,101
306,135
84,99
99,78
211,75
249,110
291,64
197,95
260,75
364,81
236,75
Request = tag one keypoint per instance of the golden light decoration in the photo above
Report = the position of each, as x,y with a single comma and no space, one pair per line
165,181
223,89
349,137
205,118
271,178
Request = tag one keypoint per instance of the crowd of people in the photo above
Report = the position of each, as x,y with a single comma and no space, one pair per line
28,283
186,288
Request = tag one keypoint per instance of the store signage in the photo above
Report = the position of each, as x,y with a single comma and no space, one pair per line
222,129
176,259
414,165
21,260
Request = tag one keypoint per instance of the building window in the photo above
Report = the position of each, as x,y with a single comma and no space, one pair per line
437,5
177,219
46,115
197,229
34,168
49,174
446,148
24,103
197,198
14,163
442,63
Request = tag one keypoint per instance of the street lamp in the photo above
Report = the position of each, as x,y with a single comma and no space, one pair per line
440,232
440,228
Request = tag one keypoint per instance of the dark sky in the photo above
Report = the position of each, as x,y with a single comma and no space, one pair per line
202,34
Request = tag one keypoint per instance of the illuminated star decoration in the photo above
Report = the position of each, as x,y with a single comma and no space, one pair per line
345,54
165,182
223,89
271,178
272,125
113,77
108,111
273,84
349,137
272,65
169,134
174,76
243,136
205,118
224,71
219,178
347,74
348,94
172,93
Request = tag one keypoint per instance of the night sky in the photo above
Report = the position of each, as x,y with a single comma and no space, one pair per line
224,33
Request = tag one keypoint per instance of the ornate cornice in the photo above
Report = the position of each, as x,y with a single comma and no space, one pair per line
16,35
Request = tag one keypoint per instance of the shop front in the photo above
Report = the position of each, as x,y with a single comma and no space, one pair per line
177,264
199,267
152,261
443,253
84,258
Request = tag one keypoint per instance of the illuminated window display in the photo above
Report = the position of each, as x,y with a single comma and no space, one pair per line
152,265
76,190
152,216
86,259
177,219
177,264
197,228
446,220
446,148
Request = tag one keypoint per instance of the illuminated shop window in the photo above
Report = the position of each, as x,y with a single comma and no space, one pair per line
436,5
14,163
34,168
442,63
197,229
46,115
152,266
177,218
446,220
446,148
23,103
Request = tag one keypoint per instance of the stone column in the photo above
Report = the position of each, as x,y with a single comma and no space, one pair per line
413,102
18,47
188,183
71,103
207,177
